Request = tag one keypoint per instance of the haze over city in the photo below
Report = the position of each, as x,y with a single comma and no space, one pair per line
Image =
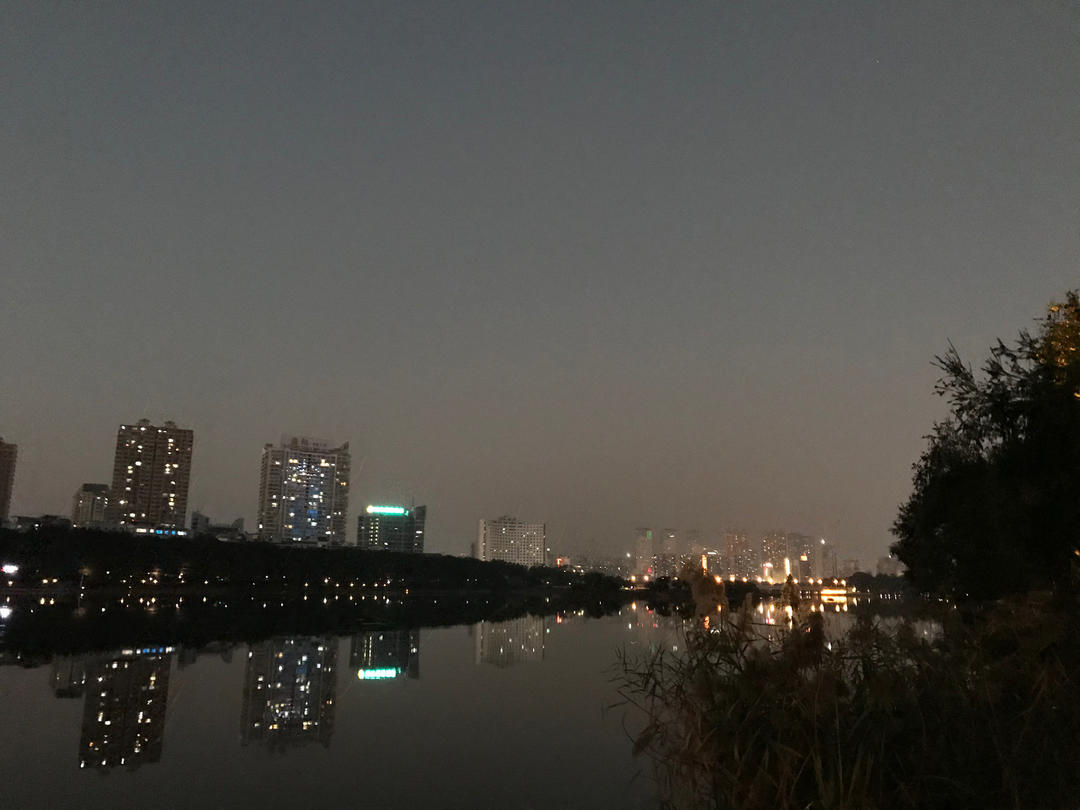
607,265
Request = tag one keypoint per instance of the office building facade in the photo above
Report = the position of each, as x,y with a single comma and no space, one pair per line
151,472
304,491
392,528
512,540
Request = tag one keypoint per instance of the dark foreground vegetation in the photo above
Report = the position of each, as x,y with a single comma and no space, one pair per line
982,712
986,716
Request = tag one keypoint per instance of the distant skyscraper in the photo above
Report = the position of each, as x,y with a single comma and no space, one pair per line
512,540
8,455
774,550
290,686
670,542
151,471
304,491
505,644
740,557
377,655
644,552
89,506
392,528
825,562
798,546
124,709
693,542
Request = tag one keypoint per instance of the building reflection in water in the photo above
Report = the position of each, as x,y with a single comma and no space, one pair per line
385,654
518,641
126,696
70,674
289,692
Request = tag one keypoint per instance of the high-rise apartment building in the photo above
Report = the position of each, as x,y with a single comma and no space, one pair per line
392,528
89,506
8,455
151,471
773,550
304,491
740,556
512,540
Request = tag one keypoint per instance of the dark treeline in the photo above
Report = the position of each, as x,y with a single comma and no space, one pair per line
864,582
33,633
100,559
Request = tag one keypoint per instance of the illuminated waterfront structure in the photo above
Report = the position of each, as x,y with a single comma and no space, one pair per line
290,686
89,506
392,528
9,454
518,641
304,491
124,709
151,471
512,540
377,655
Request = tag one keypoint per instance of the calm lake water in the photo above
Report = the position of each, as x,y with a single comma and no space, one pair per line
509,715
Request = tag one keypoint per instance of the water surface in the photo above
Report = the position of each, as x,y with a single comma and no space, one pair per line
490,715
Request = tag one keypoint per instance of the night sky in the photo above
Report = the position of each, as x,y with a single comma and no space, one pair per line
678,264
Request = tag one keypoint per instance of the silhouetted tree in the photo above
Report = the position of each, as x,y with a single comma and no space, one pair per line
996,501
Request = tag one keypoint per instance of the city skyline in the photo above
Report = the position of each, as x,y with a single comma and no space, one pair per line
91,503
615,265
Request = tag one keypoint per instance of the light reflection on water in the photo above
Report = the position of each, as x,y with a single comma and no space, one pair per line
508,714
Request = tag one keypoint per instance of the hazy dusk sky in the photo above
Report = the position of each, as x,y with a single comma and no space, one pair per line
604,264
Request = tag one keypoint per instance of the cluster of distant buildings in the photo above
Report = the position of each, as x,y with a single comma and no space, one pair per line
770,556
303,498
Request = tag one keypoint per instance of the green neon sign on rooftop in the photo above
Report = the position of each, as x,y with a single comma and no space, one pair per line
387,510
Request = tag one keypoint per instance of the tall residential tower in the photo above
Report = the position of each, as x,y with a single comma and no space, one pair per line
151,471
304,491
